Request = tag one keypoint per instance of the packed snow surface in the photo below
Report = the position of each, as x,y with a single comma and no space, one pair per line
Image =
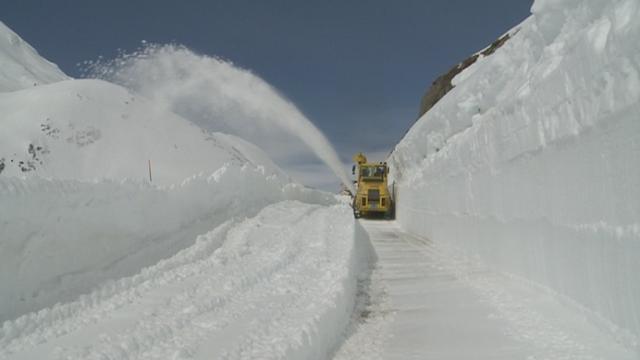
531,162
279,285
424,301
22,67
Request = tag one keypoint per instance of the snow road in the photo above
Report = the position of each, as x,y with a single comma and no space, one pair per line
425,302
280,285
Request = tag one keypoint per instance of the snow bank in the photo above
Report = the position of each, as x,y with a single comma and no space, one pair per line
60,238
531,161
279,285
22,67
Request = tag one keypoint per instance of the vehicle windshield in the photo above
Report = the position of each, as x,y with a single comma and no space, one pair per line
372,171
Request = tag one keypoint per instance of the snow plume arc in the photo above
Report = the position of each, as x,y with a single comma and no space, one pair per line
218,96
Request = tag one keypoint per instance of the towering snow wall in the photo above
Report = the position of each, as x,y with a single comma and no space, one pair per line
532,161
62,238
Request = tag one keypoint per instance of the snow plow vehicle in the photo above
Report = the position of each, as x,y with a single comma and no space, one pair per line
372,195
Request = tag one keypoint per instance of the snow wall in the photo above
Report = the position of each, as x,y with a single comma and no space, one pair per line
61,238
282,283
531,162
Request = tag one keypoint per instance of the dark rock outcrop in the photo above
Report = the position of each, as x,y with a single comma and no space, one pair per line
442,85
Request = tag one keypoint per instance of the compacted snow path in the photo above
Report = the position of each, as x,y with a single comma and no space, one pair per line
280,285
424,303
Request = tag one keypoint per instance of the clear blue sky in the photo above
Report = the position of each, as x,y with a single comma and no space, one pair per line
356,68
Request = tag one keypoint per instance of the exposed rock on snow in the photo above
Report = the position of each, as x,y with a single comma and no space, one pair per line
443,84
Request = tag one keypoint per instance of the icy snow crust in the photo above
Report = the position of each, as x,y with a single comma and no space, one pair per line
22,67
531,162
279,285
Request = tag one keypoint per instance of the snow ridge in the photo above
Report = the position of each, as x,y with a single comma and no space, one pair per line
22,67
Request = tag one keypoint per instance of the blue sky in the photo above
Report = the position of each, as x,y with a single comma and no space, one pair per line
357,69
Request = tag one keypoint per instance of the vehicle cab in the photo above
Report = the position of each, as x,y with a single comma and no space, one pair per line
372,194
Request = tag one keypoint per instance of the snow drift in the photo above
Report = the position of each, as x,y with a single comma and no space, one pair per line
531,161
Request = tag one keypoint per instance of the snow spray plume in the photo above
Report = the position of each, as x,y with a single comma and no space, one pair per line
218,96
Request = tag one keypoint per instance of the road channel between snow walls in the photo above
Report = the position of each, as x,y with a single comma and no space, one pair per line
530,164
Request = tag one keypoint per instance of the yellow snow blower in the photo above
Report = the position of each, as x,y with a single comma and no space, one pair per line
372,194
